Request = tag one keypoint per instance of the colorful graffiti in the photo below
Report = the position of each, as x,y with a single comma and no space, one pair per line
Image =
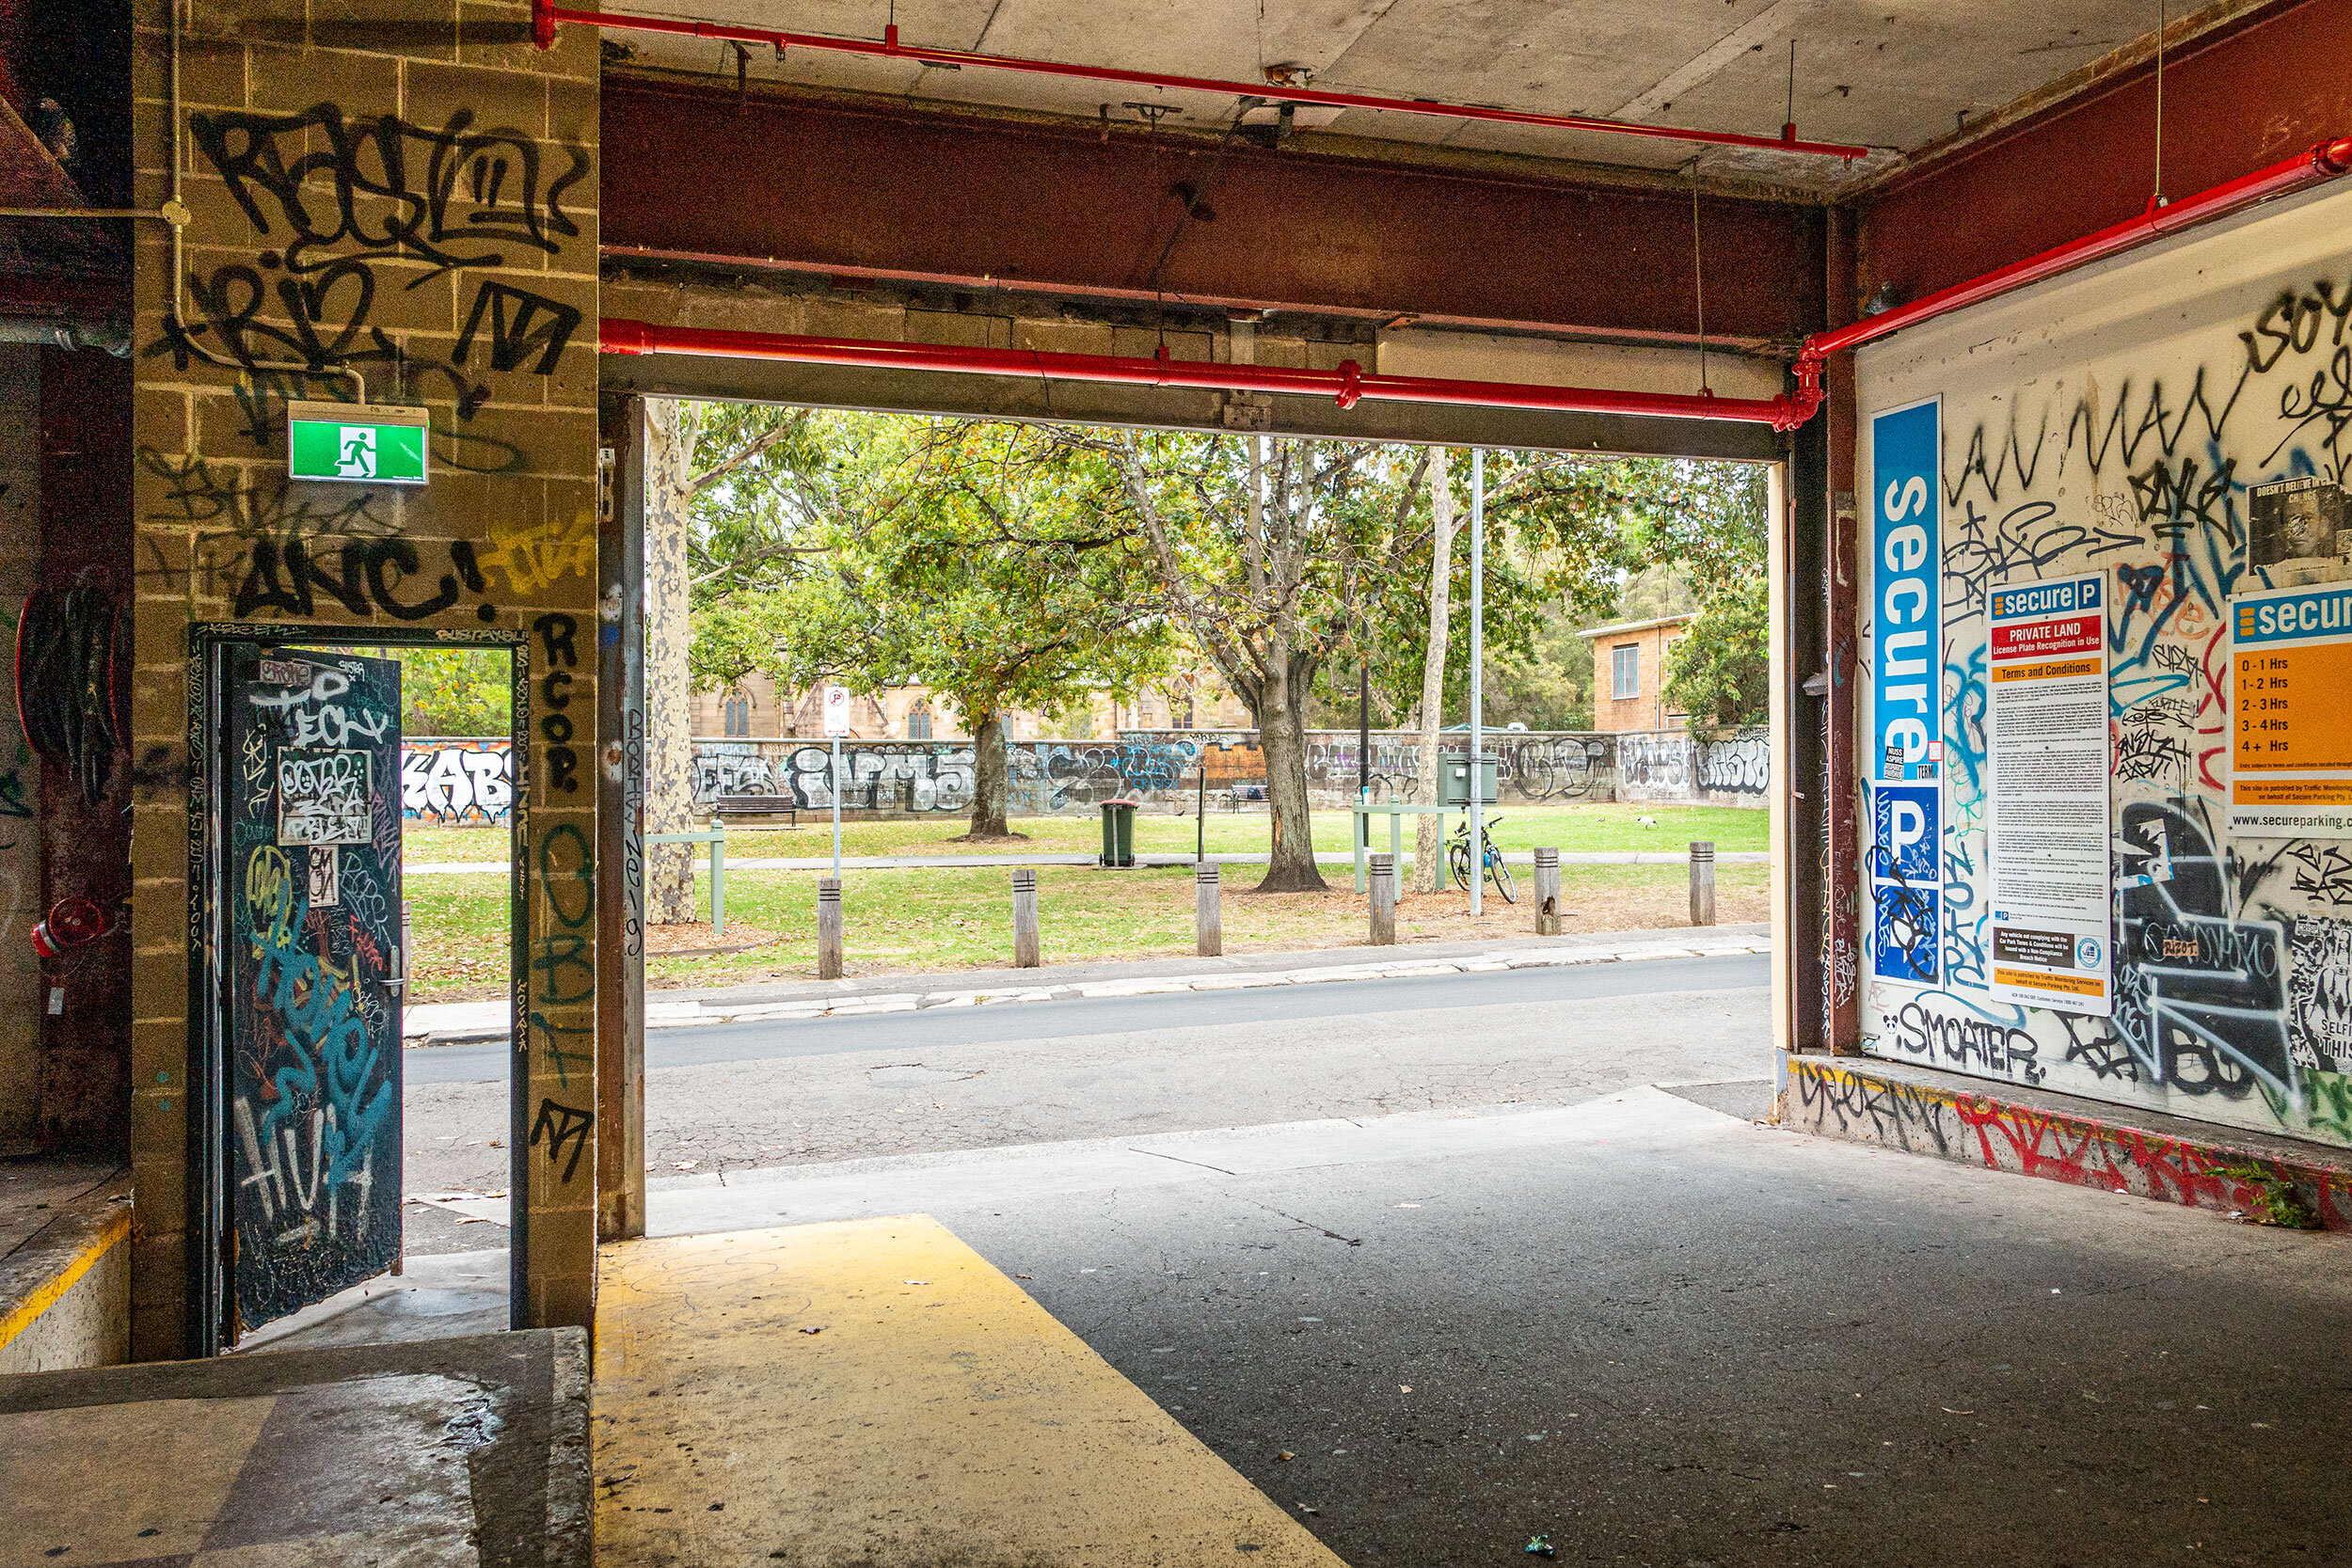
456,781
2128,449
1163,769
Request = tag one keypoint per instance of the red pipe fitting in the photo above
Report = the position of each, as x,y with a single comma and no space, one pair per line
1351,384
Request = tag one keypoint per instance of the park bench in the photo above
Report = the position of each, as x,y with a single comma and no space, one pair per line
762,808
1241,794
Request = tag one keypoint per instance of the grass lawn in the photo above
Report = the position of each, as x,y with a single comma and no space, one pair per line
1575,829
954,918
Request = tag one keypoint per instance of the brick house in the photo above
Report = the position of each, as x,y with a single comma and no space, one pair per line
1629,672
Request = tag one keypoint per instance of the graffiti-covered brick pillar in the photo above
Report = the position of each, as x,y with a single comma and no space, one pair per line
402,200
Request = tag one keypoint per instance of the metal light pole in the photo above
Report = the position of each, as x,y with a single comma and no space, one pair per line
1477,695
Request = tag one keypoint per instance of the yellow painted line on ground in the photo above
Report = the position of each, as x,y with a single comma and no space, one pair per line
939,1418
41,1297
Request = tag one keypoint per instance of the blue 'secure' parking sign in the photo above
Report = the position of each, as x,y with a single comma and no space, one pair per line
1906,560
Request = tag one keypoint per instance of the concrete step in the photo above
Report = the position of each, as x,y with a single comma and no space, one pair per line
2060,1137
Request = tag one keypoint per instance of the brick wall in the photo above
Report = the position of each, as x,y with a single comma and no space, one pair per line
409,192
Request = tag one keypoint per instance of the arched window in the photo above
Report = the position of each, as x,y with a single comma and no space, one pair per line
919,721
735,714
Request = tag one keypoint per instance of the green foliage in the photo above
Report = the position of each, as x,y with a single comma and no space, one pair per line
1720,674
964,556
2279,1197
456,691
1571,541
765,479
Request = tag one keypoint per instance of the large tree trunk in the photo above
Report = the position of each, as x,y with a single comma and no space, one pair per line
1282,736
989,783
1429,832
670,428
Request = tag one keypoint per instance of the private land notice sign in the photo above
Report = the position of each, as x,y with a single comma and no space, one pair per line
2291,699
2047,722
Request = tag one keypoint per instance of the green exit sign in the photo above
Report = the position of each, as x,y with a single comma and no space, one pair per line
355,443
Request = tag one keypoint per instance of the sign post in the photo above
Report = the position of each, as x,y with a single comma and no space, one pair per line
837,725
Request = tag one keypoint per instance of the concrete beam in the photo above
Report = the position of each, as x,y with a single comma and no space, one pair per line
962,200
2256,89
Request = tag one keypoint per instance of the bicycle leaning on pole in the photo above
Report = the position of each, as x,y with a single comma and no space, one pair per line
1458,857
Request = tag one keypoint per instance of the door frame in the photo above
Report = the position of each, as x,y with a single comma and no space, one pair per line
208,1229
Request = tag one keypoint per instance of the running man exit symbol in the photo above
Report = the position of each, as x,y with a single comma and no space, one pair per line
347,443
359,452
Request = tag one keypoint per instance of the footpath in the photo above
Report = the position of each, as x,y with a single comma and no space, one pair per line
451,1022
913,863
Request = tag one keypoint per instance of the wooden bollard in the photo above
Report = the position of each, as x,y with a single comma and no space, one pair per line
1024,954
1208,911
1702,882
1383,900
1547,922
829,927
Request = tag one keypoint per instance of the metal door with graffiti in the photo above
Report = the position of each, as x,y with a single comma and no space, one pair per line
306,782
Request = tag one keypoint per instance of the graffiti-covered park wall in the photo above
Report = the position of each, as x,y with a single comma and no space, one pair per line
2169,436
464,782
1163,769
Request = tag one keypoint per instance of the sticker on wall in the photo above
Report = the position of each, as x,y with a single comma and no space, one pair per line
1906,881
2290,755
326,876
322,798
2047,794
1906,557
2296,533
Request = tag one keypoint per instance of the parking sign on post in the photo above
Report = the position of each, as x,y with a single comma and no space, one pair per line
837,725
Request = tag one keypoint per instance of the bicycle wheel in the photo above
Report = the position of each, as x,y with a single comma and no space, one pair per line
1504,884
1457,858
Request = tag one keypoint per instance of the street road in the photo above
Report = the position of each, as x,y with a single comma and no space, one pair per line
782,1092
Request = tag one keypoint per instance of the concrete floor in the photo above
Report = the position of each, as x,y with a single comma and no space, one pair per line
1704,1341
1537,1297
463,1452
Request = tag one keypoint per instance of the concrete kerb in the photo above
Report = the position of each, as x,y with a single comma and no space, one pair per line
450,1023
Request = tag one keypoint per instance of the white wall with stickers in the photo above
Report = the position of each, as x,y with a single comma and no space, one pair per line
2172,432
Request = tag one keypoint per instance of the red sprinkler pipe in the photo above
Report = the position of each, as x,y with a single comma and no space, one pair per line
2325,161
545,14
1345,385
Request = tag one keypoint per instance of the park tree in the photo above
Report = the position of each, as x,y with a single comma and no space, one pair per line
1265,553
966,556
729,491
1720,674
456,690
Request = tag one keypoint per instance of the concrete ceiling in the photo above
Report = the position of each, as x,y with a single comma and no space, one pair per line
1891,74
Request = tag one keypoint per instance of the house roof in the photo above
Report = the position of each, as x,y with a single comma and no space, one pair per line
1624,626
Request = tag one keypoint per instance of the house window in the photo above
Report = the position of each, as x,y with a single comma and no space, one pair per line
1624,670
735,714
919,721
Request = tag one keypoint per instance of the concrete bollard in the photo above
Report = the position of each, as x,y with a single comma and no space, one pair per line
1208,911
1383,900
1024,954
829,927
1547,922
1702,882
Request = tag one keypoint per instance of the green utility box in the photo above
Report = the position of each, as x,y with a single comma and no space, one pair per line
1119,833
1454,781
